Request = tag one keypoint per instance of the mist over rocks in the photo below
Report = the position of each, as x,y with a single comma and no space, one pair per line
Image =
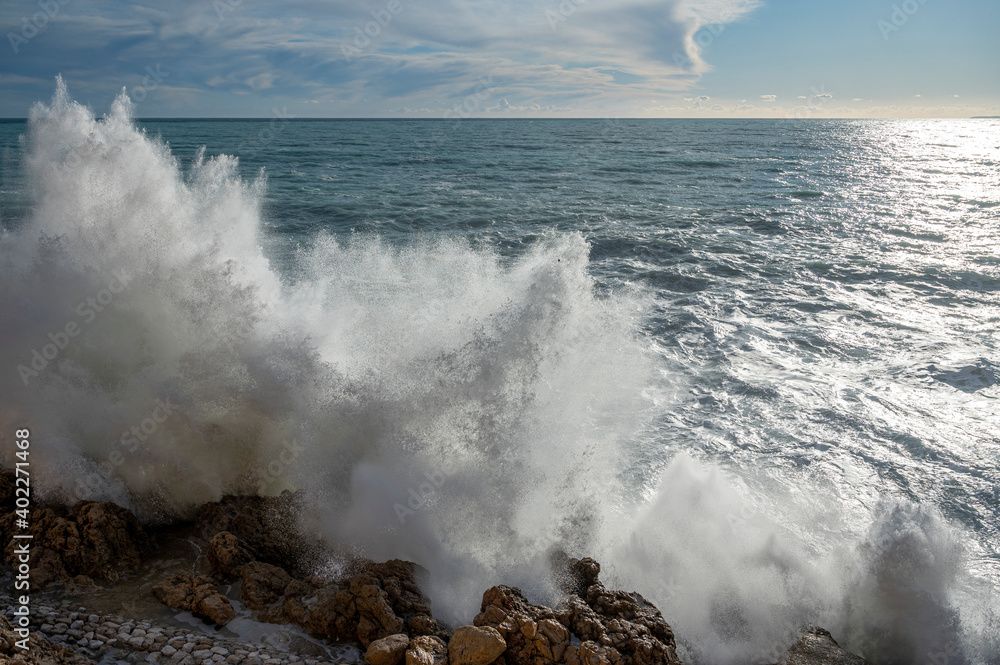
89,542
380,606
260,529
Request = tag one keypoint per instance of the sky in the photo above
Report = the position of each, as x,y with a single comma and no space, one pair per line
516,58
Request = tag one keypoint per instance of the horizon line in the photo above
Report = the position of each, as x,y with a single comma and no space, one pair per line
12,119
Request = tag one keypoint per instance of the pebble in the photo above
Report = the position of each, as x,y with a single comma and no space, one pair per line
113,639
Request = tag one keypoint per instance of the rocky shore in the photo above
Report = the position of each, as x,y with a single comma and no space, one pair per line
241,566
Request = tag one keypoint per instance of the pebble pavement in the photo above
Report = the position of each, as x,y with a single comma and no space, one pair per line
110,639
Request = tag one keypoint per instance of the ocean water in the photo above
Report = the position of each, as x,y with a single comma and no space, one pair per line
751,366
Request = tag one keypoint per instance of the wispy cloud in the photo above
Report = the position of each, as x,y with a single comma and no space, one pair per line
382,53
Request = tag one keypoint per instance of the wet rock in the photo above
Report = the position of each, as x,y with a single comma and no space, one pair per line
474,645
591,653
274,594
196,595
112,541
574,576
388,650
227,554
427,650
265,527
533,633
376,618
92,541
424,624
817,647
615,627
622,626
40,651
372,602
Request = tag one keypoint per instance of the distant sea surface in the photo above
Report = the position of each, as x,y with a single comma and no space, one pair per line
821,298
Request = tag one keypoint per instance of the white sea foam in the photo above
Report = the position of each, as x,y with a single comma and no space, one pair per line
433,401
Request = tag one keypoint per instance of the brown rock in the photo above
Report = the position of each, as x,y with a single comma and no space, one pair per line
427,650
475,645
101,541
198,596
388,650
265,526
263,584
333,614
424,624
817,647
574,576
112,540
277,596
375,601
227,554
376,618
622,627
533,633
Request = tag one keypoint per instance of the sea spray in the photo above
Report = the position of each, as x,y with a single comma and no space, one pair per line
507,405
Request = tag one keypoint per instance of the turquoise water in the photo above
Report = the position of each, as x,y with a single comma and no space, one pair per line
819,301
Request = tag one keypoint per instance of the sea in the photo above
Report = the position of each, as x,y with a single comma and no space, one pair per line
750,366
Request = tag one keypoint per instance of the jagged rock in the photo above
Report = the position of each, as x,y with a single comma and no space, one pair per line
112,540
40,651
277,596
227,554
574,576
265,527
100,541
533,633
427,650
333,614
376,618
198,596
615,626
474,645
591,653
376,601
424,624
817,647
622,627
388,650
